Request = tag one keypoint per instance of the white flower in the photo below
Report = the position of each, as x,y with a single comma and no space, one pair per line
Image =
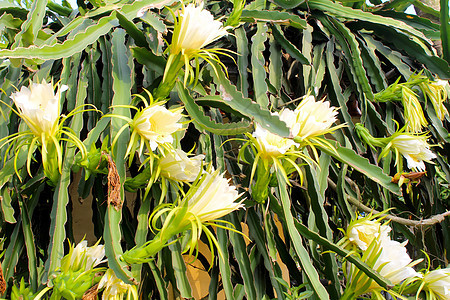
311,118
195,29
389,258
290,118
438,281
209,198
157,124
84,257
394,262
270,144
440,83
176,165
414,148
38,106
115,288
212,197
362,233
95,255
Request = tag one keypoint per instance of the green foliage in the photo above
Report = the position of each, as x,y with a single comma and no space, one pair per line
351,52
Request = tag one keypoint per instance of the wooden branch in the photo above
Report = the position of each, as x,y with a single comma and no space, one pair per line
416,223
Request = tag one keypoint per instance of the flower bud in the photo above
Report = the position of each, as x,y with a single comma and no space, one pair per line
436,92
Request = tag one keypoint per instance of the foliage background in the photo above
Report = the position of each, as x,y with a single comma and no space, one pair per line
346,51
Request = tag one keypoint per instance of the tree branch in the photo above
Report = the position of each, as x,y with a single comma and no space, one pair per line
416,223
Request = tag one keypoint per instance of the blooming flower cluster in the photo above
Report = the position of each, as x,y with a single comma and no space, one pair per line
310,120
307,124
370,238
39,107
78,271
386,256
194,198
154,127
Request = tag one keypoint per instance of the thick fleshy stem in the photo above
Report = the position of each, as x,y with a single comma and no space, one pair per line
146,252
51,165
365,135
173,67
348,294
260,190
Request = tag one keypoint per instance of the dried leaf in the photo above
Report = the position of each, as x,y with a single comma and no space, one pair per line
113,184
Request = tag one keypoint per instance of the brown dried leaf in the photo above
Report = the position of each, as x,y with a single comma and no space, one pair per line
113,184
91,294
2,281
